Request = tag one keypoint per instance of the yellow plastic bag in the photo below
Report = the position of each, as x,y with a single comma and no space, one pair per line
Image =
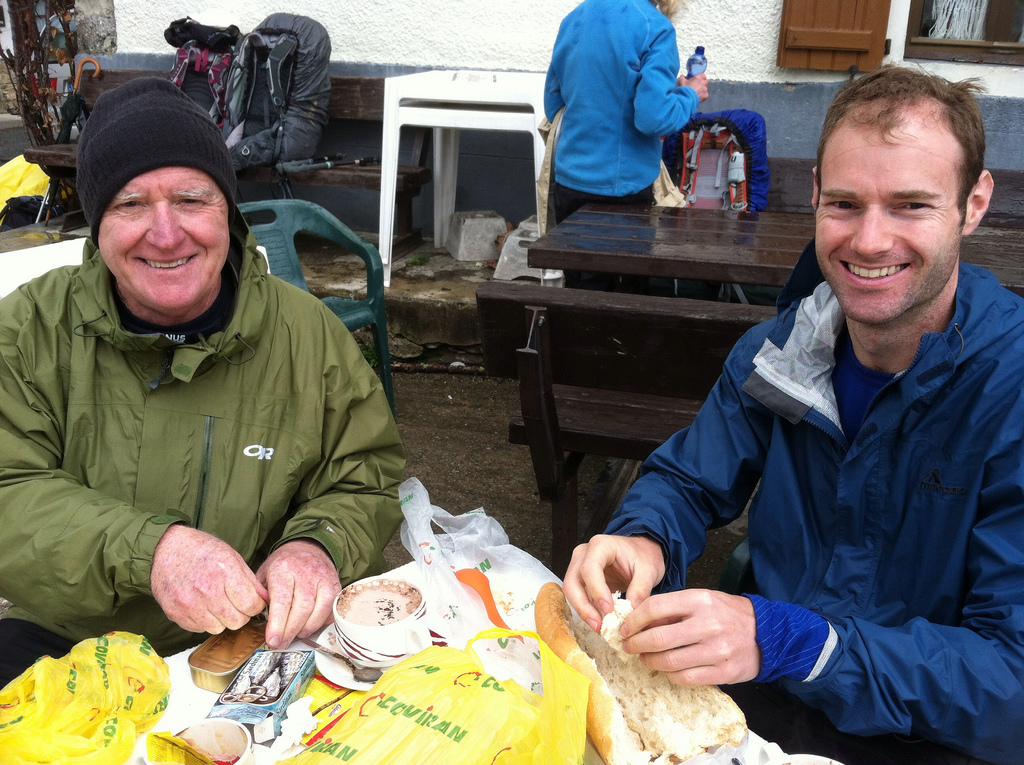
21,178
442,706
86,708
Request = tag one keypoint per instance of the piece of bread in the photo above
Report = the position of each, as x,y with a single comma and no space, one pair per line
635,715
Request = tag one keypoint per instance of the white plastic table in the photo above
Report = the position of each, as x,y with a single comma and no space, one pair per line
188,704
19,266
449,101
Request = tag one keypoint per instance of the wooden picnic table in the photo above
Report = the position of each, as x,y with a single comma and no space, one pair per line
721,246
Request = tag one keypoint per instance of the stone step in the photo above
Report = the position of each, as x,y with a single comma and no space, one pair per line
431,303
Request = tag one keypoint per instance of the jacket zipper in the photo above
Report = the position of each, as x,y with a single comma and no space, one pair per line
204,472
164,366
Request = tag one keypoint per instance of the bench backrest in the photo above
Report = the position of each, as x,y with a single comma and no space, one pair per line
616,341
352,98
791,188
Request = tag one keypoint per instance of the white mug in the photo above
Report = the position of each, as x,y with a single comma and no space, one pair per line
381,645
772,754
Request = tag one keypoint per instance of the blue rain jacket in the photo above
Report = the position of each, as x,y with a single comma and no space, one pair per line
614,69
910,540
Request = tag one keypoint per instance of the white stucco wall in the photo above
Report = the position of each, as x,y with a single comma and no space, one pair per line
740,36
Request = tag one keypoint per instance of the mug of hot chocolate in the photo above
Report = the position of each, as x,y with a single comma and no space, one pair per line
380,621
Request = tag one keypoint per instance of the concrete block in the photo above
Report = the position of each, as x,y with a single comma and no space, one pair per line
472,235
512,262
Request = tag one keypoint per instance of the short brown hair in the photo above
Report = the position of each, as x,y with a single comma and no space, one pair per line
880,100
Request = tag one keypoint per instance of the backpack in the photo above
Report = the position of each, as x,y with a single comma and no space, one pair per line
720,160
278,90
202,63
23,211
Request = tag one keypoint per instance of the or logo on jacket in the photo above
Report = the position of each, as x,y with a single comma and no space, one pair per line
258,451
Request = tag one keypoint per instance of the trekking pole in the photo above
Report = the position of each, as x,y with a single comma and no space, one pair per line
325,163
281,169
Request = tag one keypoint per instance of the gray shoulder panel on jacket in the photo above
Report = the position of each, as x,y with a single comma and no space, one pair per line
775,399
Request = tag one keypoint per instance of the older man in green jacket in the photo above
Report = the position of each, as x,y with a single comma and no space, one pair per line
184,439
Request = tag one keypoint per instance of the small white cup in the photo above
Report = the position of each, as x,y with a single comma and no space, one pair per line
381,645
221,738
772,754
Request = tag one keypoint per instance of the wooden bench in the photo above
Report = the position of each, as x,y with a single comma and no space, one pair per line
352,98
609,374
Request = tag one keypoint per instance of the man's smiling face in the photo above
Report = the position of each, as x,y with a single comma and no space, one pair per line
888,225
165,239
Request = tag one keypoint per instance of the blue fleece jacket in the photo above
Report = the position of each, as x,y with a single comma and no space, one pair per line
907,538
614,69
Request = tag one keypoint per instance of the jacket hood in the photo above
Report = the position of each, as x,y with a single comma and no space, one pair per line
805,277
93,297
793,369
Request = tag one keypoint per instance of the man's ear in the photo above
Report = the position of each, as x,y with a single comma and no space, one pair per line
814,193
977,202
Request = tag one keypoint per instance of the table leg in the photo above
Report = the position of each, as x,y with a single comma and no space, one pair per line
392,130
446,173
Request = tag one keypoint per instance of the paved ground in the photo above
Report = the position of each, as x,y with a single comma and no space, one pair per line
13,138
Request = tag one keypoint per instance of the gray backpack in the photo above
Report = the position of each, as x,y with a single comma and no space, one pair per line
278,89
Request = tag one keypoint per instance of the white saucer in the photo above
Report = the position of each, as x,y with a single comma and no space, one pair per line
336,671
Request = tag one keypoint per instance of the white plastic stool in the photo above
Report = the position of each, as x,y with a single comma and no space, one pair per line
449,101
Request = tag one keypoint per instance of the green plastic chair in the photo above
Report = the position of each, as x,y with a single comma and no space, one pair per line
738,572
287,217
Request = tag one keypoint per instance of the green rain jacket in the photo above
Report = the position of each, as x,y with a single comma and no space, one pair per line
272,430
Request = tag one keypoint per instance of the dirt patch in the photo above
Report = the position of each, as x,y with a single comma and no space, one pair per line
455,431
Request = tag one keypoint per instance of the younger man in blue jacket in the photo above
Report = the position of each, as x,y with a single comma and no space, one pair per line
877,425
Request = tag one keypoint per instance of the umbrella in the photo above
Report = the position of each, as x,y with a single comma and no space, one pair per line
69,112
72,106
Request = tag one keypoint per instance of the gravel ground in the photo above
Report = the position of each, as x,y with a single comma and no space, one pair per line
455,431
454,427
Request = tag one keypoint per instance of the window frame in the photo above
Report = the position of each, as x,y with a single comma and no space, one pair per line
963,51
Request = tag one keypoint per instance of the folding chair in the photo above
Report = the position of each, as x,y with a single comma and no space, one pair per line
277,236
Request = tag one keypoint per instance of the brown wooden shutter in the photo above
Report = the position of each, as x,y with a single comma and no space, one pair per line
833,34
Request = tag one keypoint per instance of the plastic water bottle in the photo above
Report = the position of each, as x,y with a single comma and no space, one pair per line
697,63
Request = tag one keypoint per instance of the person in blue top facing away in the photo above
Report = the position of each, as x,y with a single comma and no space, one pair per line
615,69
875,428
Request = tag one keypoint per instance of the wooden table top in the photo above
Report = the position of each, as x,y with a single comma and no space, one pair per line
721,246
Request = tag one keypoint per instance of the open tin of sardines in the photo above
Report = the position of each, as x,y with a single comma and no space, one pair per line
217,660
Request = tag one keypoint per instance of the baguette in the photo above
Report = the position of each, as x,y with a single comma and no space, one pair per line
635,715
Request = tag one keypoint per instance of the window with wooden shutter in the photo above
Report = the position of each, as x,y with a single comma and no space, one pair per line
833,34
976,31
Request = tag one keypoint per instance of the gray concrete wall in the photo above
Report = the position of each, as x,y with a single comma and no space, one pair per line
794,114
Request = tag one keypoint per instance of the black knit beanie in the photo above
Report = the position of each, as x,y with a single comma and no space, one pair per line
143,125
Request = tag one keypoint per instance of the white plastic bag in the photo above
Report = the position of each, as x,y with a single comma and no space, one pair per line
470,540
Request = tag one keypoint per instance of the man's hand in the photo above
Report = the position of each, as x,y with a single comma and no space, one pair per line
303,583
696,637
698,82
202,584
630,564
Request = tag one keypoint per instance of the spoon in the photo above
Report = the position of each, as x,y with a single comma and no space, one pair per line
479,582
361,674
